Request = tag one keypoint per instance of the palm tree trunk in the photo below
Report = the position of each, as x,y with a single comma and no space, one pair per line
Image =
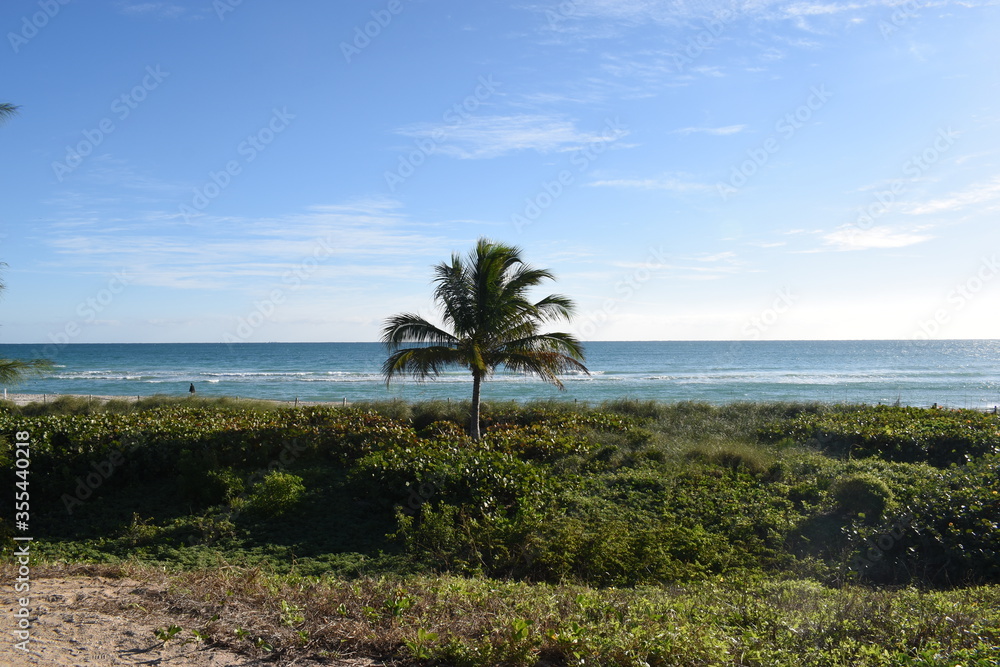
477,381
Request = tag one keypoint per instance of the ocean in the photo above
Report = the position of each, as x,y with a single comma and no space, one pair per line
957,373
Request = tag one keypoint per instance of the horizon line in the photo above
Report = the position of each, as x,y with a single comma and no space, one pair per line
660,340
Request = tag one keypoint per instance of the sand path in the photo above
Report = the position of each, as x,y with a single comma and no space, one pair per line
79,621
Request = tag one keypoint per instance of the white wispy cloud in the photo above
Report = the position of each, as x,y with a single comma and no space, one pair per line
156,9
708,266
106,170
670,183
717,257
706,70
484,137
604,19
356,240
852,238
646,67
633,12
820,8
717,131
978,194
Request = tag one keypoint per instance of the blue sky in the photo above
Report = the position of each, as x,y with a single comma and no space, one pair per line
208,171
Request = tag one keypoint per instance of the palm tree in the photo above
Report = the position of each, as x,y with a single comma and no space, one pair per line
14,370
492,323
7,111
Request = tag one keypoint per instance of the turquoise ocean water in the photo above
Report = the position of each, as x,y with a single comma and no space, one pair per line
962,373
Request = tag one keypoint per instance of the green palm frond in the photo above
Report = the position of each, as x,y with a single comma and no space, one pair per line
7,111
421,362
410,328
14,370
555,307
453,294
489,322
524,278
545,355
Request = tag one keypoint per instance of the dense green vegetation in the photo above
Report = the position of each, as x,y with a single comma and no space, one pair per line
626,533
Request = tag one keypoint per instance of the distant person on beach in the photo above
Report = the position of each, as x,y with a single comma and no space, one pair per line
191,388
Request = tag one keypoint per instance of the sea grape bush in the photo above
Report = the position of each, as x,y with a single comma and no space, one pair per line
564,494
865,495
892,522
274,495
157,438
936,436
954,534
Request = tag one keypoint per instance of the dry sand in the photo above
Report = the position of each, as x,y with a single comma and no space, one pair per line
24,399
79,621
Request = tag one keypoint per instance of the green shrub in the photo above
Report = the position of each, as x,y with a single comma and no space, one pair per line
633,407
905,434
444,430
85,405
396,409
440,536
429,412
209,529
140,531
224,485
734,455
275,494
861,494
950,537
475,476
651,493
606,546
62,405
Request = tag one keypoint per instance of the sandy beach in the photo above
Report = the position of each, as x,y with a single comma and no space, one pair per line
84,619
25,399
